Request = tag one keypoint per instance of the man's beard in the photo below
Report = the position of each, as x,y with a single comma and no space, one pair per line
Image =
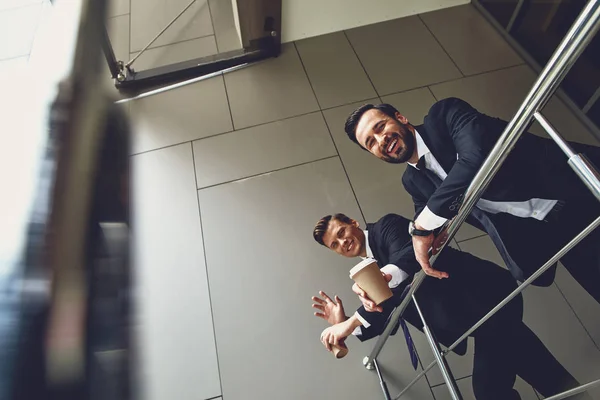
408,147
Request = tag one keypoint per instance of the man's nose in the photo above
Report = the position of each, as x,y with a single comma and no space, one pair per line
380,138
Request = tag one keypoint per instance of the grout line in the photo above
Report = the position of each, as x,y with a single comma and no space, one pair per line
345,170
471,238
212,314
440,44
268,172
361,63
228,102
307,77
495,69
212,21
216,397
457,379
576,315
331,136
431,91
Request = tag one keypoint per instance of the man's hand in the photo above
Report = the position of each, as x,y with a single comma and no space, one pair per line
421,245
369,304
331,311
337,333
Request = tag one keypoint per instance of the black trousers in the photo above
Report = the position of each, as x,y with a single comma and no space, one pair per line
500,357
504,346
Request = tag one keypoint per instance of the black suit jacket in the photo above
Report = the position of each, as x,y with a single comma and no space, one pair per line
450,305
536,168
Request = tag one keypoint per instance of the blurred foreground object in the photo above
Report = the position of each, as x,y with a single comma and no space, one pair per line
64,261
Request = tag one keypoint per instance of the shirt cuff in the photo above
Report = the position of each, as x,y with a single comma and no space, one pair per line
428,220
397,275
362,320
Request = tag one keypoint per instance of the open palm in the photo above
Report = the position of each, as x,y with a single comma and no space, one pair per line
331,311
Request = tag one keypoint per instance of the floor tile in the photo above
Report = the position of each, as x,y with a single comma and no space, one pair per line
13,63
18,24
224,25
177,344
174,53
9,4
461,366
509,88
377,184
261,149
187,113
334,70
118,7
584,305
269,249
472,43
401,54
466,389
149,17
269,91
544,307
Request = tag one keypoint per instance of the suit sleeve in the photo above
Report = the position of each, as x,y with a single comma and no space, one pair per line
470,133
396,239
377,320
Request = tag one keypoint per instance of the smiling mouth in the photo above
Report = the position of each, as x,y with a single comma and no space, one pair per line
350,246
392,146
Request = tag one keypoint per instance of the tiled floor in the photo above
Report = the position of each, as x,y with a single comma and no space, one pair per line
232,172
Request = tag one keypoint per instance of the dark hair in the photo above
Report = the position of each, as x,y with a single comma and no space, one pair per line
354,117
323,224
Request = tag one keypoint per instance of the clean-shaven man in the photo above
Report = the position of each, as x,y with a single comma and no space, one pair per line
504,346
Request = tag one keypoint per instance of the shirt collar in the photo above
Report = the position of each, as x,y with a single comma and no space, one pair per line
422,148
367,247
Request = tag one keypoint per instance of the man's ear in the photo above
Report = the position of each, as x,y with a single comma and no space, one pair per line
355,223
401,118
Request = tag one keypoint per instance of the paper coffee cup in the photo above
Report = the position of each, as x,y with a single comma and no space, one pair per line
369,277
339,351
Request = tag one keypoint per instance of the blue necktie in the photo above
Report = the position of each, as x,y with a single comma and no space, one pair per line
412,351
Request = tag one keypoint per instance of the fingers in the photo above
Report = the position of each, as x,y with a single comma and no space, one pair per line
318,300
321,316
357,289
324,295
318,307
370,305
325,340
387,277
435,273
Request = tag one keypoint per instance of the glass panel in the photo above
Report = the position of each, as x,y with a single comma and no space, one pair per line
541,27
502,10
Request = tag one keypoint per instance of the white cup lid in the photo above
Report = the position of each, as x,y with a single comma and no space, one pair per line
363,264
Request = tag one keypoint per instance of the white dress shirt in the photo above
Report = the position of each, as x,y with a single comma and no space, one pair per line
533,208
398,276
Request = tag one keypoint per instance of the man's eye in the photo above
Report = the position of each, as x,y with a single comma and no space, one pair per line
334,245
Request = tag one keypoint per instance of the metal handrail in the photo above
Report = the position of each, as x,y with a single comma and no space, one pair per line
577,38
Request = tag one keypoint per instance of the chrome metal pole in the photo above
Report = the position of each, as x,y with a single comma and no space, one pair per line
439,358
512,295
572,45
585,170
576,390
384,387
554,135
